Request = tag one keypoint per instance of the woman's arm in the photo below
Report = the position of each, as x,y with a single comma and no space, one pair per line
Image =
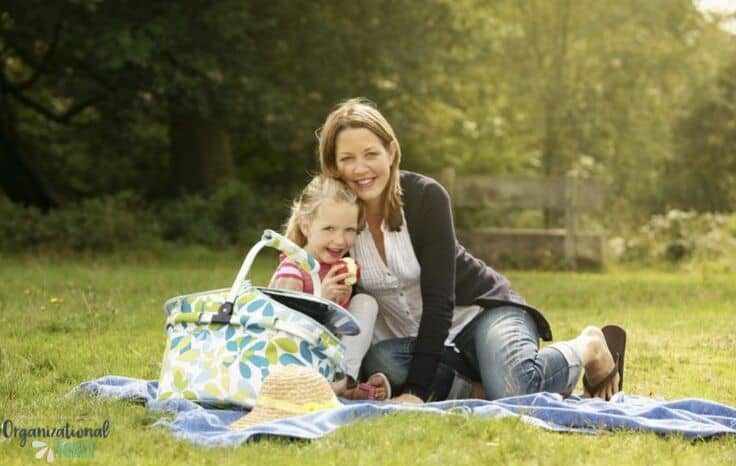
435,250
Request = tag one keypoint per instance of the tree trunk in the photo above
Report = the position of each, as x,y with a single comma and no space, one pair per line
200,151
21,183
553,163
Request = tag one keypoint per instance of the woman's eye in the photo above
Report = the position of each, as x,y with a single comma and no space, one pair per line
345,159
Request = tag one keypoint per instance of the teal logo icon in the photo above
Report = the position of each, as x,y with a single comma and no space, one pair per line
64,449
43,450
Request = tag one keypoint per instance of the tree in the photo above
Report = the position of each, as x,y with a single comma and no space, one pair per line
702,175
115,86
84,63
587,86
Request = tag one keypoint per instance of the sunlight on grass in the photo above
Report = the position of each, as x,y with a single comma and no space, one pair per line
65,321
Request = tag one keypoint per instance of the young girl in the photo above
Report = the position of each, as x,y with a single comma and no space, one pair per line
325,222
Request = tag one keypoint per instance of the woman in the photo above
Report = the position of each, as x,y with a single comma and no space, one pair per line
435,299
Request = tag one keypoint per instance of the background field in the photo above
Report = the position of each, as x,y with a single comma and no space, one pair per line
65,321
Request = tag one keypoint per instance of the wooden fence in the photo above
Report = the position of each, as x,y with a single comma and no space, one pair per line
530,247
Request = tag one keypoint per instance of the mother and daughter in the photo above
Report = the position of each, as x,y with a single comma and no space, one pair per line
427,308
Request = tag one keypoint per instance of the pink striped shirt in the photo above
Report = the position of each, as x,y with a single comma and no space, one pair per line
288,269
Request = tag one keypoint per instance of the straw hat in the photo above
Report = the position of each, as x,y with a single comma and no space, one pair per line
289,391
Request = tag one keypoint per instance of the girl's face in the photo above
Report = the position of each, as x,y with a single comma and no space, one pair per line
364,164
332,232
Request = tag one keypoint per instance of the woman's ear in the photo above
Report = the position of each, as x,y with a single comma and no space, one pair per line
392,152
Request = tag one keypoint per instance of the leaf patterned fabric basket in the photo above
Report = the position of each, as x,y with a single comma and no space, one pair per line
222,363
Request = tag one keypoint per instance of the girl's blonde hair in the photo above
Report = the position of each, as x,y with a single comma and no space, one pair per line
362,113
322,188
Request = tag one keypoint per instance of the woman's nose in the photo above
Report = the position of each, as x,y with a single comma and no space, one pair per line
360,167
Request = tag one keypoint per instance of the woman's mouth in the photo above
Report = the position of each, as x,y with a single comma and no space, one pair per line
365,183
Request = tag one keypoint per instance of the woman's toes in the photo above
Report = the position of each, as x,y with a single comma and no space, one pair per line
598,364
592,331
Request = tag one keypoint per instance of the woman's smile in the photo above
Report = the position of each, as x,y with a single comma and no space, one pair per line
364,163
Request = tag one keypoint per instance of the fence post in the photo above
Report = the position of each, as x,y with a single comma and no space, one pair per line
571,193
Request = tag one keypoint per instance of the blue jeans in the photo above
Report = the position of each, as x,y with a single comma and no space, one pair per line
501,345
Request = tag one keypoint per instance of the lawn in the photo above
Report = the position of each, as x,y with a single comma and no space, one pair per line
64,321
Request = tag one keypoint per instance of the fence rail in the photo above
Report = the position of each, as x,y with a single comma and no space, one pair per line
569,195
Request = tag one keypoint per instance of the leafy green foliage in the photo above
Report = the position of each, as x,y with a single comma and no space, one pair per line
232,214
100,224
92,91
235,213
702,173
680,236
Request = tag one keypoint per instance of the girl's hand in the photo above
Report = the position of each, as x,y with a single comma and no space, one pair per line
333,285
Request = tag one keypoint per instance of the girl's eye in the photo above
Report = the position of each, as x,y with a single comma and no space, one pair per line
351,230
345,159
329,228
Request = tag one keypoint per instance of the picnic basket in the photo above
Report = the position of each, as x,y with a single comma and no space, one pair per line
221,344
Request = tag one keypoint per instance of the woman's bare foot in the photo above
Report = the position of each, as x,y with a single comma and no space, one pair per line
598,364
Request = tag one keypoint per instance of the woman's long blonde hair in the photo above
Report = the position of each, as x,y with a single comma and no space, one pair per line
362,113
304,209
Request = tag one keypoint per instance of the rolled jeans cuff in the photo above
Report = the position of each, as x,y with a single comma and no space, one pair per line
574,363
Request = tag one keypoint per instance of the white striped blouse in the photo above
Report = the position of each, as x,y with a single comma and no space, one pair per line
396,285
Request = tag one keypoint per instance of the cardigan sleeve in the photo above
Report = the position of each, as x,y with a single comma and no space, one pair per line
435,251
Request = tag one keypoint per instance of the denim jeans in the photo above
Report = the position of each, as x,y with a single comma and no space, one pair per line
501,345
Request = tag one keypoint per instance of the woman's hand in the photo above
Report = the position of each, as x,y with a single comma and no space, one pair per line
333,285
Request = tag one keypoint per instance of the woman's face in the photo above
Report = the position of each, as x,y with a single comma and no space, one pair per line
364,164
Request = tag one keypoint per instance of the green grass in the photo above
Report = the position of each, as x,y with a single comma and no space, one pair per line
64,321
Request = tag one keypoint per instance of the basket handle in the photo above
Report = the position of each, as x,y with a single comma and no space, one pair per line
296,254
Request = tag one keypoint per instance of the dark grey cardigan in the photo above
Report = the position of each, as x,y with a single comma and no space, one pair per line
450,276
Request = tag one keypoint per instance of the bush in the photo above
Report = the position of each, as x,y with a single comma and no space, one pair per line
235,213
679,236
100,224
191,219
19,227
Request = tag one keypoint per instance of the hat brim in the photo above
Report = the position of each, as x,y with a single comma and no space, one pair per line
260,415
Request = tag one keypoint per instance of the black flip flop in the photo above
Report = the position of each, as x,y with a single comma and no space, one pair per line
616,342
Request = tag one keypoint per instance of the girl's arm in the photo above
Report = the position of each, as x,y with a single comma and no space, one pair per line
287,277
286,283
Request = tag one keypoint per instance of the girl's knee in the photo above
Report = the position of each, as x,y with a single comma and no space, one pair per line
363,305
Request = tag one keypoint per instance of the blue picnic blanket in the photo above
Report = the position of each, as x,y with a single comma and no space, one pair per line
692,418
